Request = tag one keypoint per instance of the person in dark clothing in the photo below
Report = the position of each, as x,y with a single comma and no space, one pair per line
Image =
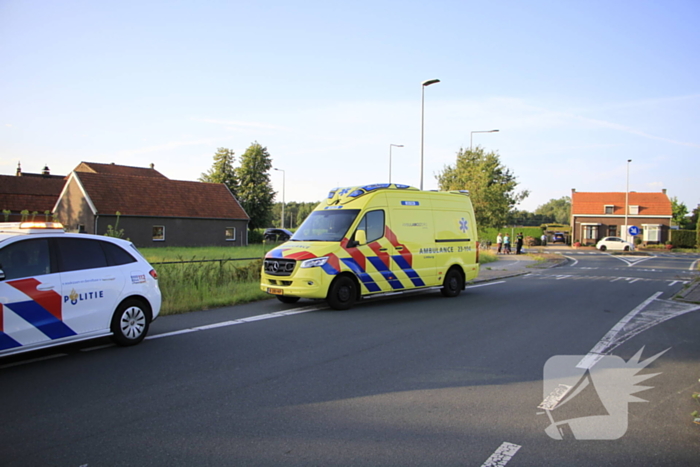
519,244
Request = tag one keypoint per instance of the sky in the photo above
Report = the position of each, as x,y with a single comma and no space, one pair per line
575,88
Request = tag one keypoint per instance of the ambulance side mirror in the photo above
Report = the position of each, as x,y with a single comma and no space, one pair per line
360,237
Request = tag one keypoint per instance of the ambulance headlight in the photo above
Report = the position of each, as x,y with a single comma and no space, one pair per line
314,263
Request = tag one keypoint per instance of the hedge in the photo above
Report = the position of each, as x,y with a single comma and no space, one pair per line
683,238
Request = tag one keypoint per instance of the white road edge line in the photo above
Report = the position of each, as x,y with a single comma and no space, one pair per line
249,319
573,259
693,265
502,456
484,285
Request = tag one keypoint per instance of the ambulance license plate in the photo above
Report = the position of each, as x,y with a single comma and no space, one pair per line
275,291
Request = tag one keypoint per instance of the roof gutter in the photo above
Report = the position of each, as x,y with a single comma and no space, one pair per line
97,216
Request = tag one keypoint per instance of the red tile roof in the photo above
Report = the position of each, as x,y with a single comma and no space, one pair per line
33,193
158,196
113,169
650,204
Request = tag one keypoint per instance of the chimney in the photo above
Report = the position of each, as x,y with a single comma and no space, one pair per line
153,166
19,170
663,190
46,172
573,190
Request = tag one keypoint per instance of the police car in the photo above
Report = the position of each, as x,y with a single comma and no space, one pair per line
58,287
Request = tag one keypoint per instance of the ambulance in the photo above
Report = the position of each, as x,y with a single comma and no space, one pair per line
58,287
376,240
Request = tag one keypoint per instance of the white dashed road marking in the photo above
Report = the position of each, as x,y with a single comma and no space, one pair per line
502,456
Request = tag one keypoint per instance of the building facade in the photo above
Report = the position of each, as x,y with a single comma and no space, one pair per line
598,215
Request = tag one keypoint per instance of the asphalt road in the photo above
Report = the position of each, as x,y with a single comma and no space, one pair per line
414,380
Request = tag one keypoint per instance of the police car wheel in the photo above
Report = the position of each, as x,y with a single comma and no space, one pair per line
453,283
287,299
342,294
130,322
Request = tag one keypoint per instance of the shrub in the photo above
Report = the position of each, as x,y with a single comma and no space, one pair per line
683,238
255,236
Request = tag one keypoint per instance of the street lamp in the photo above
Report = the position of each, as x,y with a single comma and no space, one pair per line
283,177
471,135
422,113
627,198
396,146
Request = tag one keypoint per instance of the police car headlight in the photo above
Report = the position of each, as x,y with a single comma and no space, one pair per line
314,263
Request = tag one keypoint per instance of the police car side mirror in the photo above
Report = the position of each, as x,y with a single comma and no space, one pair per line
2,274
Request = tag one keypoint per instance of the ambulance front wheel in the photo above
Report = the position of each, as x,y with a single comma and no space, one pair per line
130,322
453,283
287,299
343,293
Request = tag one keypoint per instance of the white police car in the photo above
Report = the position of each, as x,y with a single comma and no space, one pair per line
58,287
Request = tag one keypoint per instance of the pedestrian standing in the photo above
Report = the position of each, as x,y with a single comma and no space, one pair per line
543,240
519,244
506,244
499,242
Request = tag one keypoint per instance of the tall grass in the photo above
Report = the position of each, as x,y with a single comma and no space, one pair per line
202,285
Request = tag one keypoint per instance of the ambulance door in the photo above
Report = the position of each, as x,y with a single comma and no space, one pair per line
410,231
90,288
370,258
30,295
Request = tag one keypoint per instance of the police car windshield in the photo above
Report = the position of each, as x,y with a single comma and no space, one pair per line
326,226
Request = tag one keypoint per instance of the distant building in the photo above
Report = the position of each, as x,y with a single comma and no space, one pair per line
29,192
598,215
154,210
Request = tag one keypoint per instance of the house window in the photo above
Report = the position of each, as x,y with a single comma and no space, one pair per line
634,209
158,233
590,232
230,234
651,233
612,231
609,209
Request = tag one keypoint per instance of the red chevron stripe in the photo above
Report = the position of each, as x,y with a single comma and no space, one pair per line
49,299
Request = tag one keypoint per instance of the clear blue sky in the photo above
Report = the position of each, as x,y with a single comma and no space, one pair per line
575,88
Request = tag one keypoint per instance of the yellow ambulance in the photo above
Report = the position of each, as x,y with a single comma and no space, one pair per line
375,240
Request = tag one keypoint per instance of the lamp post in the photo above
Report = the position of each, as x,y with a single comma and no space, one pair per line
390,146
471,135
422,115
283,177
627,197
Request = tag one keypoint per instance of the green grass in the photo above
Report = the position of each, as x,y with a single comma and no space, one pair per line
486,256
200,286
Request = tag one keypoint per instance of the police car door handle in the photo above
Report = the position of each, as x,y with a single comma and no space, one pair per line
43,288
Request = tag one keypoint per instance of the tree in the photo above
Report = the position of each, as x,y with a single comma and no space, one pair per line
222,170
679,210
255,189
490,184
556,210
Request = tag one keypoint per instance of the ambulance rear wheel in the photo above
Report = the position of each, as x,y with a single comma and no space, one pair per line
130,322
287,299
343,293
453,283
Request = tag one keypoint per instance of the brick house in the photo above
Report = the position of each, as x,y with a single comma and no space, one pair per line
154,210
598,215
29,192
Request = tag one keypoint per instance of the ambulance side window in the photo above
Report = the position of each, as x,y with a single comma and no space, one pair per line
26,258
373,225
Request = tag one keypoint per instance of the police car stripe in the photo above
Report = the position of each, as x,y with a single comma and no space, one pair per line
40,318
6,342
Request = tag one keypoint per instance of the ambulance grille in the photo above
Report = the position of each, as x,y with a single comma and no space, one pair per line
279,267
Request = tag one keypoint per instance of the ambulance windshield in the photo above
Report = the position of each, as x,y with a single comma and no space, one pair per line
326,226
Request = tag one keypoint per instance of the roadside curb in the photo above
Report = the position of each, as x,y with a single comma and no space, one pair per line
691,294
